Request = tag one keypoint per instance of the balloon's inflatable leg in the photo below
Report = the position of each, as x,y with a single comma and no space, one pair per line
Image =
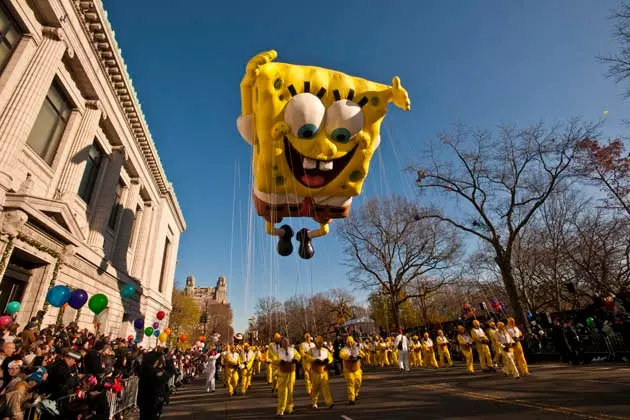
305,237
284,234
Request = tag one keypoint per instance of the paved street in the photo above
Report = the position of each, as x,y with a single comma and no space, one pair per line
554,391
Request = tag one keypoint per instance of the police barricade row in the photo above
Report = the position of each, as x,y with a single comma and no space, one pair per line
118,402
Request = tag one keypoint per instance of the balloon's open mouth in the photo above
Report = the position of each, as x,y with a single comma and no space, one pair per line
314,173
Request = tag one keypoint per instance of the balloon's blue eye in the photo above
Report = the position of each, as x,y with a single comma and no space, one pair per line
307,131
341,135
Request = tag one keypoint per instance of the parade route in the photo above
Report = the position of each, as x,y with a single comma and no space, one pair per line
554,391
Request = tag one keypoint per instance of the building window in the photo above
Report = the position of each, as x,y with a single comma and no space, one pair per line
50,124
92,165
116,207
9,36
165,257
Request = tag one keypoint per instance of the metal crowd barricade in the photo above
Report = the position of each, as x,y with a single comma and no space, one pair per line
35,410
616,346
124,400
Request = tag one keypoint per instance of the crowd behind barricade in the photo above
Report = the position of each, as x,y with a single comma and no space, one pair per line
70,373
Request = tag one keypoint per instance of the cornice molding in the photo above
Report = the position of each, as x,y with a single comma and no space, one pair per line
98,29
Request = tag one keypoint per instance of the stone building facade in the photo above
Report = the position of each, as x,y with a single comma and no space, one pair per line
207,295
84,200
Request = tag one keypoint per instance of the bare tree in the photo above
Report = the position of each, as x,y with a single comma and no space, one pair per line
607,166
619,63
342,302
600,251
499,183
389,245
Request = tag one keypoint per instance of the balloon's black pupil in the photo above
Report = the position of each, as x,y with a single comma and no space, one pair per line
308,133
341,137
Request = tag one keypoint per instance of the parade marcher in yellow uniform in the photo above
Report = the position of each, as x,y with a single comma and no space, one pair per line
285,360
466,345
389,352
415,353
305,349
257,359
319,360
225,371
246,367
373,355
393,356
506,343
443,351
351,355
272,352
519,355
364,346
381,352
232,359
496,346
481,343
428,355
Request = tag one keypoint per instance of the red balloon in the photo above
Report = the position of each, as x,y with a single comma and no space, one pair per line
130,338
161,315
5,320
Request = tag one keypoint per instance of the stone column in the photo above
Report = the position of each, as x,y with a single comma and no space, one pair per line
126,225
142,243
10,224
73,170
23,107
98,224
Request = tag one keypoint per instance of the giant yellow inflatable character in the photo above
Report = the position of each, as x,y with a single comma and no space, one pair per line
314,132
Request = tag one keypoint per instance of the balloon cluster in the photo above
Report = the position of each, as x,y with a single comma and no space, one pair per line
60,295
468,311
153,330
497,306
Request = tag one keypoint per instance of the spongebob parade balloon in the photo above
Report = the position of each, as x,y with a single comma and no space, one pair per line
313,133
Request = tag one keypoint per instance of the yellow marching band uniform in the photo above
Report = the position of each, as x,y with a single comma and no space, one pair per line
279,360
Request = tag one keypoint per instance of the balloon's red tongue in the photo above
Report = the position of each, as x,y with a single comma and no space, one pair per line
313,180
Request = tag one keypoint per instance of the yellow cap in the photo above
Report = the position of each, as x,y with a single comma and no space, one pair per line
426,335
349,340
511,321
276,336
500,324
491,324
475,323
246,345
307,336
319,340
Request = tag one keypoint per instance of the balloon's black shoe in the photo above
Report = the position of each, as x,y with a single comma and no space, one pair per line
306,250
285,247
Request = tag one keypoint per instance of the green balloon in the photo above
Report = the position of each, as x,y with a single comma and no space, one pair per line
590,321
98,303
148,331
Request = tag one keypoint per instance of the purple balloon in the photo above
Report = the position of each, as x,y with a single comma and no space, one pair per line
78,298
156,325
139,324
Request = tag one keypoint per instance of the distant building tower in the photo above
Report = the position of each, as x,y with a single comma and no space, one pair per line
205,296
221,290
190,286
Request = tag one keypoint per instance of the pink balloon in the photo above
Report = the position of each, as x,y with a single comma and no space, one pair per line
5,320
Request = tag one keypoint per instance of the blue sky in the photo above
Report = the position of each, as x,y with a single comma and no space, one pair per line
479,62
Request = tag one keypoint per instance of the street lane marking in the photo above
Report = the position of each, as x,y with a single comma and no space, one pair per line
344,417
544,407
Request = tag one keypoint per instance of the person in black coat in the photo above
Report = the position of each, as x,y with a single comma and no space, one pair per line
151,386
